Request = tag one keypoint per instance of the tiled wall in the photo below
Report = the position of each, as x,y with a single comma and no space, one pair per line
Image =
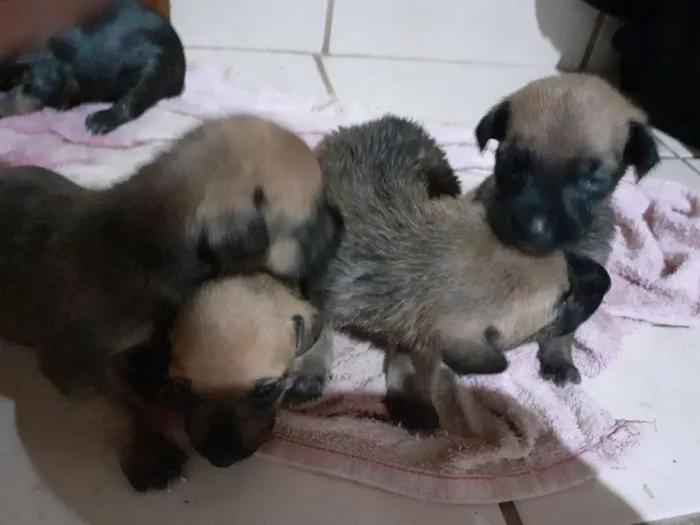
544,33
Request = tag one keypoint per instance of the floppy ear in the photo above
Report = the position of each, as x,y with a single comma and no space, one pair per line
493,125
144,367
306,336
641,150
233,244
300,334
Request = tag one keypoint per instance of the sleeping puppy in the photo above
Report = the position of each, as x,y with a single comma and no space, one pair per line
101,268
564,144
215,382
127,54
426,277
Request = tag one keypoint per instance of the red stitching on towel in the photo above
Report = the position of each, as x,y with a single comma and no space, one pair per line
619,425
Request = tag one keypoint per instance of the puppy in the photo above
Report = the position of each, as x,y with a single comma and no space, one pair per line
127,54
215,382
564,144
426,277
88,273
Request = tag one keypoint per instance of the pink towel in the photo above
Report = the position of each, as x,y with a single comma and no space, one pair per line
525,437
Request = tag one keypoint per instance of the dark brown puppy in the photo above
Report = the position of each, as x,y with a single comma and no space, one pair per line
87,273
215,382
126,53
426,277
564,144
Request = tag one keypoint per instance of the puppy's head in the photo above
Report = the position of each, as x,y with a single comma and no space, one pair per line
253,196
564,144
231,350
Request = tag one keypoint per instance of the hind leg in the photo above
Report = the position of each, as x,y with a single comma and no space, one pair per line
408,399
135,102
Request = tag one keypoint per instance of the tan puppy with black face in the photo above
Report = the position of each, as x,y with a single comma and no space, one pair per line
216,383
425,278
564,143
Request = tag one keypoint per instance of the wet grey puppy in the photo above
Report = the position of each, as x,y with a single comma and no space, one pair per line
564,143
426,277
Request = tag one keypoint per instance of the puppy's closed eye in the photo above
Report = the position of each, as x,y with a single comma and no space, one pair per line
592,176
267,391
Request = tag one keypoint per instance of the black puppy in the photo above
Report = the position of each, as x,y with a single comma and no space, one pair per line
564,144
127,54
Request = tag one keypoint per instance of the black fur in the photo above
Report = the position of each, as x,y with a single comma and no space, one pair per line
493,125
128,54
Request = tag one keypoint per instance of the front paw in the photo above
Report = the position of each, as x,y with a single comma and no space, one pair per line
103,122
152,462
560,373
306,388
417,417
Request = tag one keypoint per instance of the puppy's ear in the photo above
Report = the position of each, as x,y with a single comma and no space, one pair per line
144,367
493,125
641,150
301,344
232,245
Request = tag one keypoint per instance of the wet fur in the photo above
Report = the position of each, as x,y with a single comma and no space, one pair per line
425,277
564,143
128,54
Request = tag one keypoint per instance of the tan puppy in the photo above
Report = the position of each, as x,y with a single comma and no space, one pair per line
564,143
216,383
88,273
426,278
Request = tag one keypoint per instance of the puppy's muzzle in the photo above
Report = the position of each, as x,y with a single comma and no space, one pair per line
535,231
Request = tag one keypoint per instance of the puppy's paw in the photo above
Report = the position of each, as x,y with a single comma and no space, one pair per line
560,373
306,388
103,121
417,417
152,462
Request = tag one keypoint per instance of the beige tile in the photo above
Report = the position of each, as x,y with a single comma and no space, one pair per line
434,92
680,520
653,379
288,73
251,24
676,146
678,171
533,32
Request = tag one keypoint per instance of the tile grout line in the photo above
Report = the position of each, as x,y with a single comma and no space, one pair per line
327,28
324,75
387,58
510,513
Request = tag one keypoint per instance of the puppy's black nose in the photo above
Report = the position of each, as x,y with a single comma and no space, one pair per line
538,231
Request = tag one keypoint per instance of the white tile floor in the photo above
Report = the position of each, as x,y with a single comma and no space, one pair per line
267,43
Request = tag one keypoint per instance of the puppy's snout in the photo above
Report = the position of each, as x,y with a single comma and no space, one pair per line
538,226
537,230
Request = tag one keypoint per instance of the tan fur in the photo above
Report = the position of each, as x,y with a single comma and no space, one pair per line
261,155
236,331
265,155
569,115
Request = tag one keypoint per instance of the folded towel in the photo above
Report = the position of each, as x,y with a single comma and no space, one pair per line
520,436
